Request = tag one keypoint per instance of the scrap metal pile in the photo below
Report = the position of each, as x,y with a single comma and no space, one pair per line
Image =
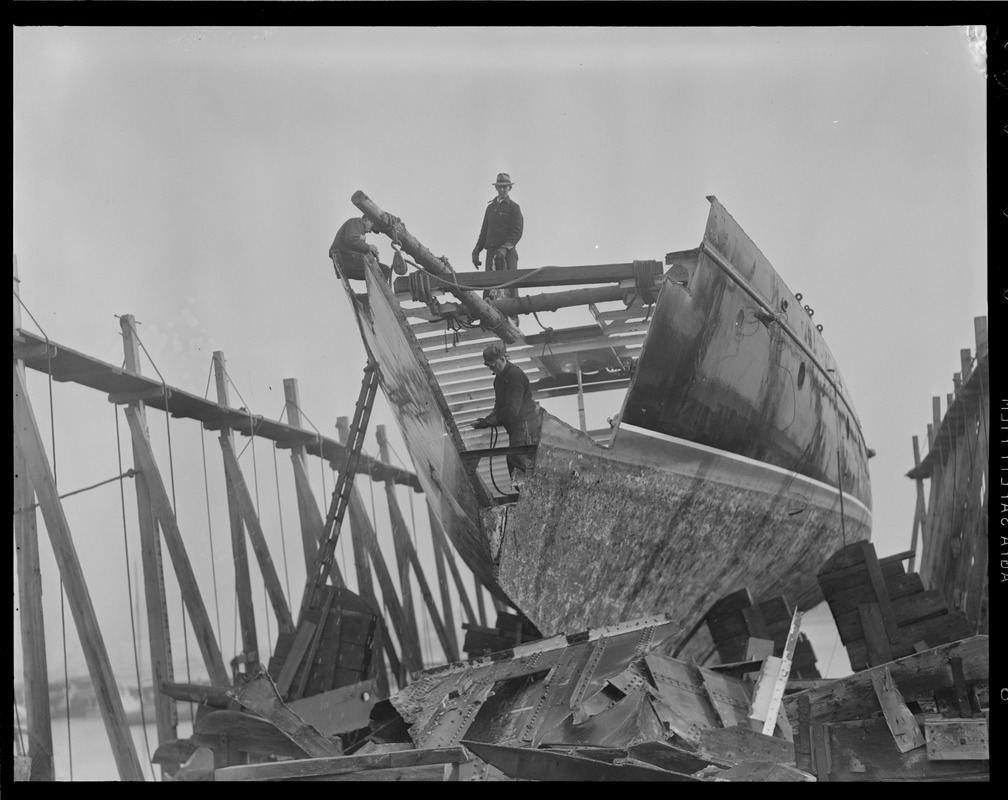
607,704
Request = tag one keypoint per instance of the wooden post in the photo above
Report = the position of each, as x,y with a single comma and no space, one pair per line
33,654
442,541
399,524
165,516
243,583
411,658
365,586
99,668
399,539
158,629
256,536
308,510
446,601
920,512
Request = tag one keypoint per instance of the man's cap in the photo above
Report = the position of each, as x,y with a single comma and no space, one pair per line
503,179
492,352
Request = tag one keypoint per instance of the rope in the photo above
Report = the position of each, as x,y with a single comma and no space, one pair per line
493,444
129,591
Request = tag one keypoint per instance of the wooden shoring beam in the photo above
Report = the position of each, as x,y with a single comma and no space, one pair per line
365,585
176,549
29,576
96,656
308,511
442,575
920,512
65,364
239,553
441,542
34,664
257,538
411,658
158,627
398,523
400,539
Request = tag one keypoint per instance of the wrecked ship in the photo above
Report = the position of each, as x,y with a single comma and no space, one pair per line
736,457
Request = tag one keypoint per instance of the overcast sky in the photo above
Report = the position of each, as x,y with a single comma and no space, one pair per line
195,177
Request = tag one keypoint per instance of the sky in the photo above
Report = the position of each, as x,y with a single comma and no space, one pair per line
195,178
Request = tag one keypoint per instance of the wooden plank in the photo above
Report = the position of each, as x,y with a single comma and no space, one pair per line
876,642
957,739
821,755
191,596
803,744
941,630
343,765
256,536
442,579
239,552
753,772
260,695
918,676
400,541
864,750
962,692
35,669
908,610
906,733
79,598
155,605
879,587
308,510
738,743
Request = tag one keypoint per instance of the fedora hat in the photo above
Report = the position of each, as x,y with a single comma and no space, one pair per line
503,179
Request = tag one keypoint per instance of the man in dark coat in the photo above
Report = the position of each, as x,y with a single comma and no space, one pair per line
502,228
514,409
350,249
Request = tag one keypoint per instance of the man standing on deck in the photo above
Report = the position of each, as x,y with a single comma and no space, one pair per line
350,250
502,228
514,409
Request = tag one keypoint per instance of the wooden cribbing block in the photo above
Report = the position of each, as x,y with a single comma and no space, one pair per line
964,739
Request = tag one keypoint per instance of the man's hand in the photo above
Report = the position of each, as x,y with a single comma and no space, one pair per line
476,261
374,250
481,423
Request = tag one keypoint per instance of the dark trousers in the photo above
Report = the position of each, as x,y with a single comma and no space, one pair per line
494,265
523,434
352,265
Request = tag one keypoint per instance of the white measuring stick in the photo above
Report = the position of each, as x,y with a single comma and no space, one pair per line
782,676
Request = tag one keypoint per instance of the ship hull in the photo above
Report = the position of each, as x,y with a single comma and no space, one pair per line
602,535
736,461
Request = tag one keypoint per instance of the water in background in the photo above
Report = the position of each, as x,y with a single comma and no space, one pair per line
88,743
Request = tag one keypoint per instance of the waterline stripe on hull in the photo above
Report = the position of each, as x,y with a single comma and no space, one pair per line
751,462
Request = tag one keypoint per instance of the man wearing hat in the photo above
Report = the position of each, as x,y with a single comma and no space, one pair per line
514,409
502,228
350,250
